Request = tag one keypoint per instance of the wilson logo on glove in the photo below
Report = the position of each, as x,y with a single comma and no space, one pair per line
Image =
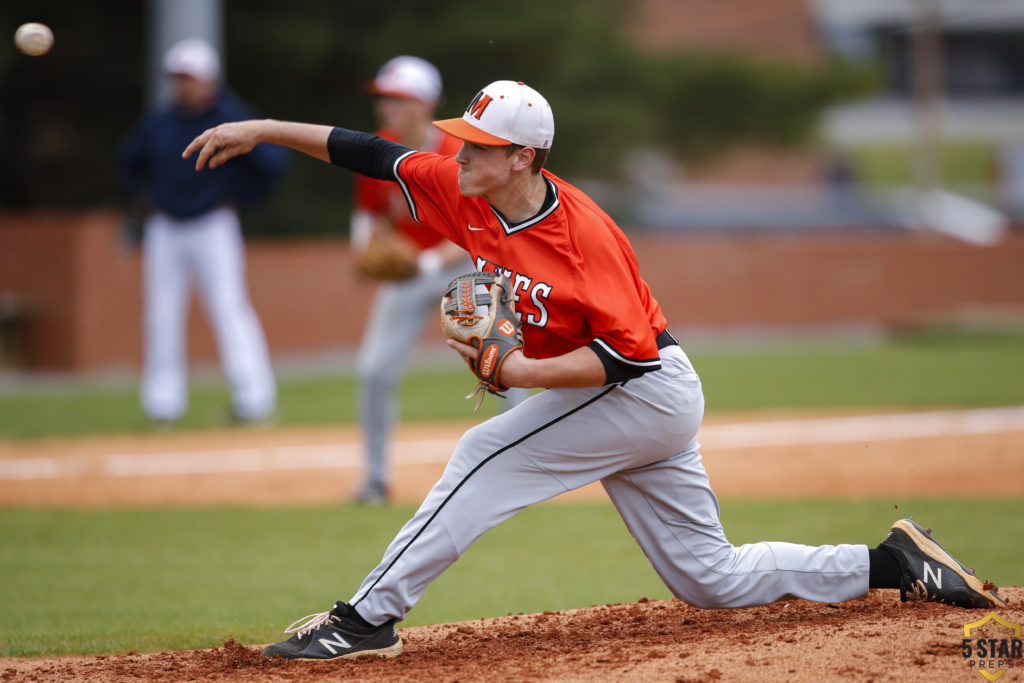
487,358
477,309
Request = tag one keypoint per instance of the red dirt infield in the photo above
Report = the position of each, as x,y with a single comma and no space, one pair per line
876,638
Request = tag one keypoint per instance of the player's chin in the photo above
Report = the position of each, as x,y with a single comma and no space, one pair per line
467,187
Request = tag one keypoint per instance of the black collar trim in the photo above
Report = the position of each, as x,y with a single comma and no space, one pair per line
546,209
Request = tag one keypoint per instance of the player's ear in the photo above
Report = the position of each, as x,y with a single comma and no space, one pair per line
523,158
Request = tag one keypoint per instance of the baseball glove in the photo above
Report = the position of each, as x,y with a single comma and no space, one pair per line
388,256
477,309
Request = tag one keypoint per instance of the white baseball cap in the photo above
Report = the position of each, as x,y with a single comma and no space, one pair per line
505,113
193,57
408,77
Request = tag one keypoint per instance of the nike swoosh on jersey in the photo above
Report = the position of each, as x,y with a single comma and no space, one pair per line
470,226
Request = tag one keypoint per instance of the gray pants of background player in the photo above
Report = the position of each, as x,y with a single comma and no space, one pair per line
639,440
398,316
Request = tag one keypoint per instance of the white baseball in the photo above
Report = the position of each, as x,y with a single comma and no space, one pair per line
33,38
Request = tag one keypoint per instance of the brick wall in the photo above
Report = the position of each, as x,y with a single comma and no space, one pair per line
773,29
829,279
79,289
78,286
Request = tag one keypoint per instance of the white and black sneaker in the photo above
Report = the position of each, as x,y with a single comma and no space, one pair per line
929,572
337,635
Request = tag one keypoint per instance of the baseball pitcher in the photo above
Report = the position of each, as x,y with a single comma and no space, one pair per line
623,402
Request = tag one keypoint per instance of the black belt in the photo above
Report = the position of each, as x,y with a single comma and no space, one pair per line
666,339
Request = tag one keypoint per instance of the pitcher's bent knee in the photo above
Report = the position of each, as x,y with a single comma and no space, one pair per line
719,575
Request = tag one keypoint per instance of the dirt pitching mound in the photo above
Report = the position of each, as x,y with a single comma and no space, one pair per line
874,638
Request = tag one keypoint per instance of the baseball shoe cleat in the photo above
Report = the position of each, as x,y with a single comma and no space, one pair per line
264,421
373,495
929,572
161,424
334,635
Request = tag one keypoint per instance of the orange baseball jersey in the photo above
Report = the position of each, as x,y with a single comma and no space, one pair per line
574,276
384,198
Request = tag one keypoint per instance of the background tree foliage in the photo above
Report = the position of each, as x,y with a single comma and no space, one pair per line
63,116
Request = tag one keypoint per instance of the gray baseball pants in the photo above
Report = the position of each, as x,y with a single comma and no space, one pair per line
639,440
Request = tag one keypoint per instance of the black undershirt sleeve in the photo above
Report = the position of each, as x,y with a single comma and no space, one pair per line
615,370
364,153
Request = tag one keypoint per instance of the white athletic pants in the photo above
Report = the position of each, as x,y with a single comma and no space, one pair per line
398,316
639,440
209,250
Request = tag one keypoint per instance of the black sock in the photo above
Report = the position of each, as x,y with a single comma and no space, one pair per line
883,569
358,618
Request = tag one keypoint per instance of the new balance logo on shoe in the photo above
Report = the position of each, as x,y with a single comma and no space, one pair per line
936,575
338,640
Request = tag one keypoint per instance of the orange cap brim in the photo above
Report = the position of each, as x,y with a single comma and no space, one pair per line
372,88
458,128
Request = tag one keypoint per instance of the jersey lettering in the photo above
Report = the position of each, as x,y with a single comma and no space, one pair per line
521,283
540,291
478,105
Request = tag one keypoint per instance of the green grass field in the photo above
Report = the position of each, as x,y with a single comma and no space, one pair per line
96,581
965,163
910,371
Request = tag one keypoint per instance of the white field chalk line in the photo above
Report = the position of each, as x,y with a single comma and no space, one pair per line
428,451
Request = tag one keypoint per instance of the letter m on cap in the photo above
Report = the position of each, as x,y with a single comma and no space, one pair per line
477,106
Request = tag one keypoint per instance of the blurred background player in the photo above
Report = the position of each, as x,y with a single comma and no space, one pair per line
192,234
406,92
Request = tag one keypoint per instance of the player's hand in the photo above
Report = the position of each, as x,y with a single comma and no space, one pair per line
514,371
465,350
217,145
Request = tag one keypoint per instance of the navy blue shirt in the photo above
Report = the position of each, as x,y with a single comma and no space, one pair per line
152,169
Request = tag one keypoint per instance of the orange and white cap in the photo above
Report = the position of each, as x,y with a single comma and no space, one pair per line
505,113
408,77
